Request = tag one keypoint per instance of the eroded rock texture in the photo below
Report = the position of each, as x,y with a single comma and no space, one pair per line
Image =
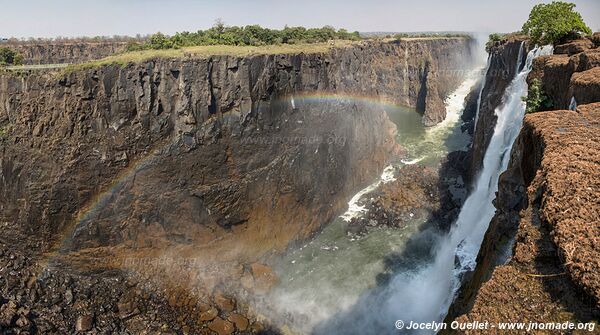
208,164
66,52
506,60
547,203
538,259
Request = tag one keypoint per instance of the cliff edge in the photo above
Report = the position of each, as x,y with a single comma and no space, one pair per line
539,258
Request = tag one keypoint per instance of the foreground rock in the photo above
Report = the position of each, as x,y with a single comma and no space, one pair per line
548,203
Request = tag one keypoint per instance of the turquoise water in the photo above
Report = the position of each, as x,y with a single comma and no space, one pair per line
329,273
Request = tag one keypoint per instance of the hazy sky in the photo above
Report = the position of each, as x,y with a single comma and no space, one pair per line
46,18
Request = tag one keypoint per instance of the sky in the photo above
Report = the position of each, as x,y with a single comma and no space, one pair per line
52,18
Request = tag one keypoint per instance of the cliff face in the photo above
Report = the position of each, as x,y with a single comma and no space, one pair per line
212,163
547,202
223,140
570,74
547,217
504,65
66,52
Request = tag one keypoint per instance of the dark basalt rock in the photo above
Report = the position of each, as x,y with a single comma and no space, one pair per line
218,161
66,52
503,68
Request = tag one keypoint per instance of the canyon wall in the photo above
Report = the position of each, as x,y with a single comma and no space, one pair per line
65,52
223,140
504,65
538,257
209,164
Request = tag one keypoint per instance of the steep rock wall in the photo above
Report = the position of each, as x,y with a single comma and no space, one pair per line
546,217
547,205
503,68
66,52
203,154
566,76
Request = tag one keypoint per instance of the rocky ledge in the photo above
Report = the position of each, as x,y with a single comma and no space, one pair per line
548,204
538,260
66,52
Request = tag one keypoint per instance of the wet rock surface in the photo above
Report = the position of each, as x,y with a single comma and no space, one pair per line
543,195
417,193
503,68
411,196
40,298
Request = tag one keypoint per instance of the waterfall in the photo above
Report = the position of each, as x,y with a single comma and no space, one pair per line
405,77
425,294
487,67
437,284
573,104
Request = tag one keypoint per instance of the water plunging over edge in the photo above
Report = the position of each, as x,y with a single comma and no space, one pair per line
426,296
308,278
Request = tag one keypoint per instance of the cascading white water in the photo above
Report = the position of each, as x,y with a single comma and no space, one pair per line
425,294
573,104
487,67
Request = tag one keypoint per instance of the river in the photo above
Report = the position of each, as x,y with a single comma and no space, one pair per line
329,274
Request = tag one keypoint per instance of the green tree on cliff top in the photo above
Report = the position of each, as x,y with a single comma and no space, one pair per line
554,22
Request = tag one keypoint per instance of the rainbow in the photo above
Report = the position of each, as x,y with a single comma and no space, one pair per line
324,96
104,198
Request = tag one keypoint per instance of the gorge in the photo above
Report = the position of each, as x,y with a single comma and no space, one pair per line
328,191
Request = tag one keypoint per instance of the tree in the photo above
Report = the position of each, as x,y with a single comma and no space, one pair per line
537,100
493,39
554,22
10,57
160,41
219,25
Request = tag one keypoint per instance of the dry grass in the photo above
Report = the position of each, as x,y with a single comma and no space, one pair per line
209,50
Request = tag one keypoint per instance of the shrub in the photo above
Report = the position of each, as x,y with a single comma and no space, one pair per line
554,22
492,40
4,130
253,35
537,100
10,57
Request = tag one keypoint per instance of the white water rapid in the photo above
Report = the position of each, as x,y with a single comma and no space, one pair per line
425,294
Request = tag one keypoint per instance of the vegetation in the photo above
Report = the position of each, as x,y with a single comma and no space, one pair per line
492,40
207,51
252,35
537,100
554,23
10,57
4,130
